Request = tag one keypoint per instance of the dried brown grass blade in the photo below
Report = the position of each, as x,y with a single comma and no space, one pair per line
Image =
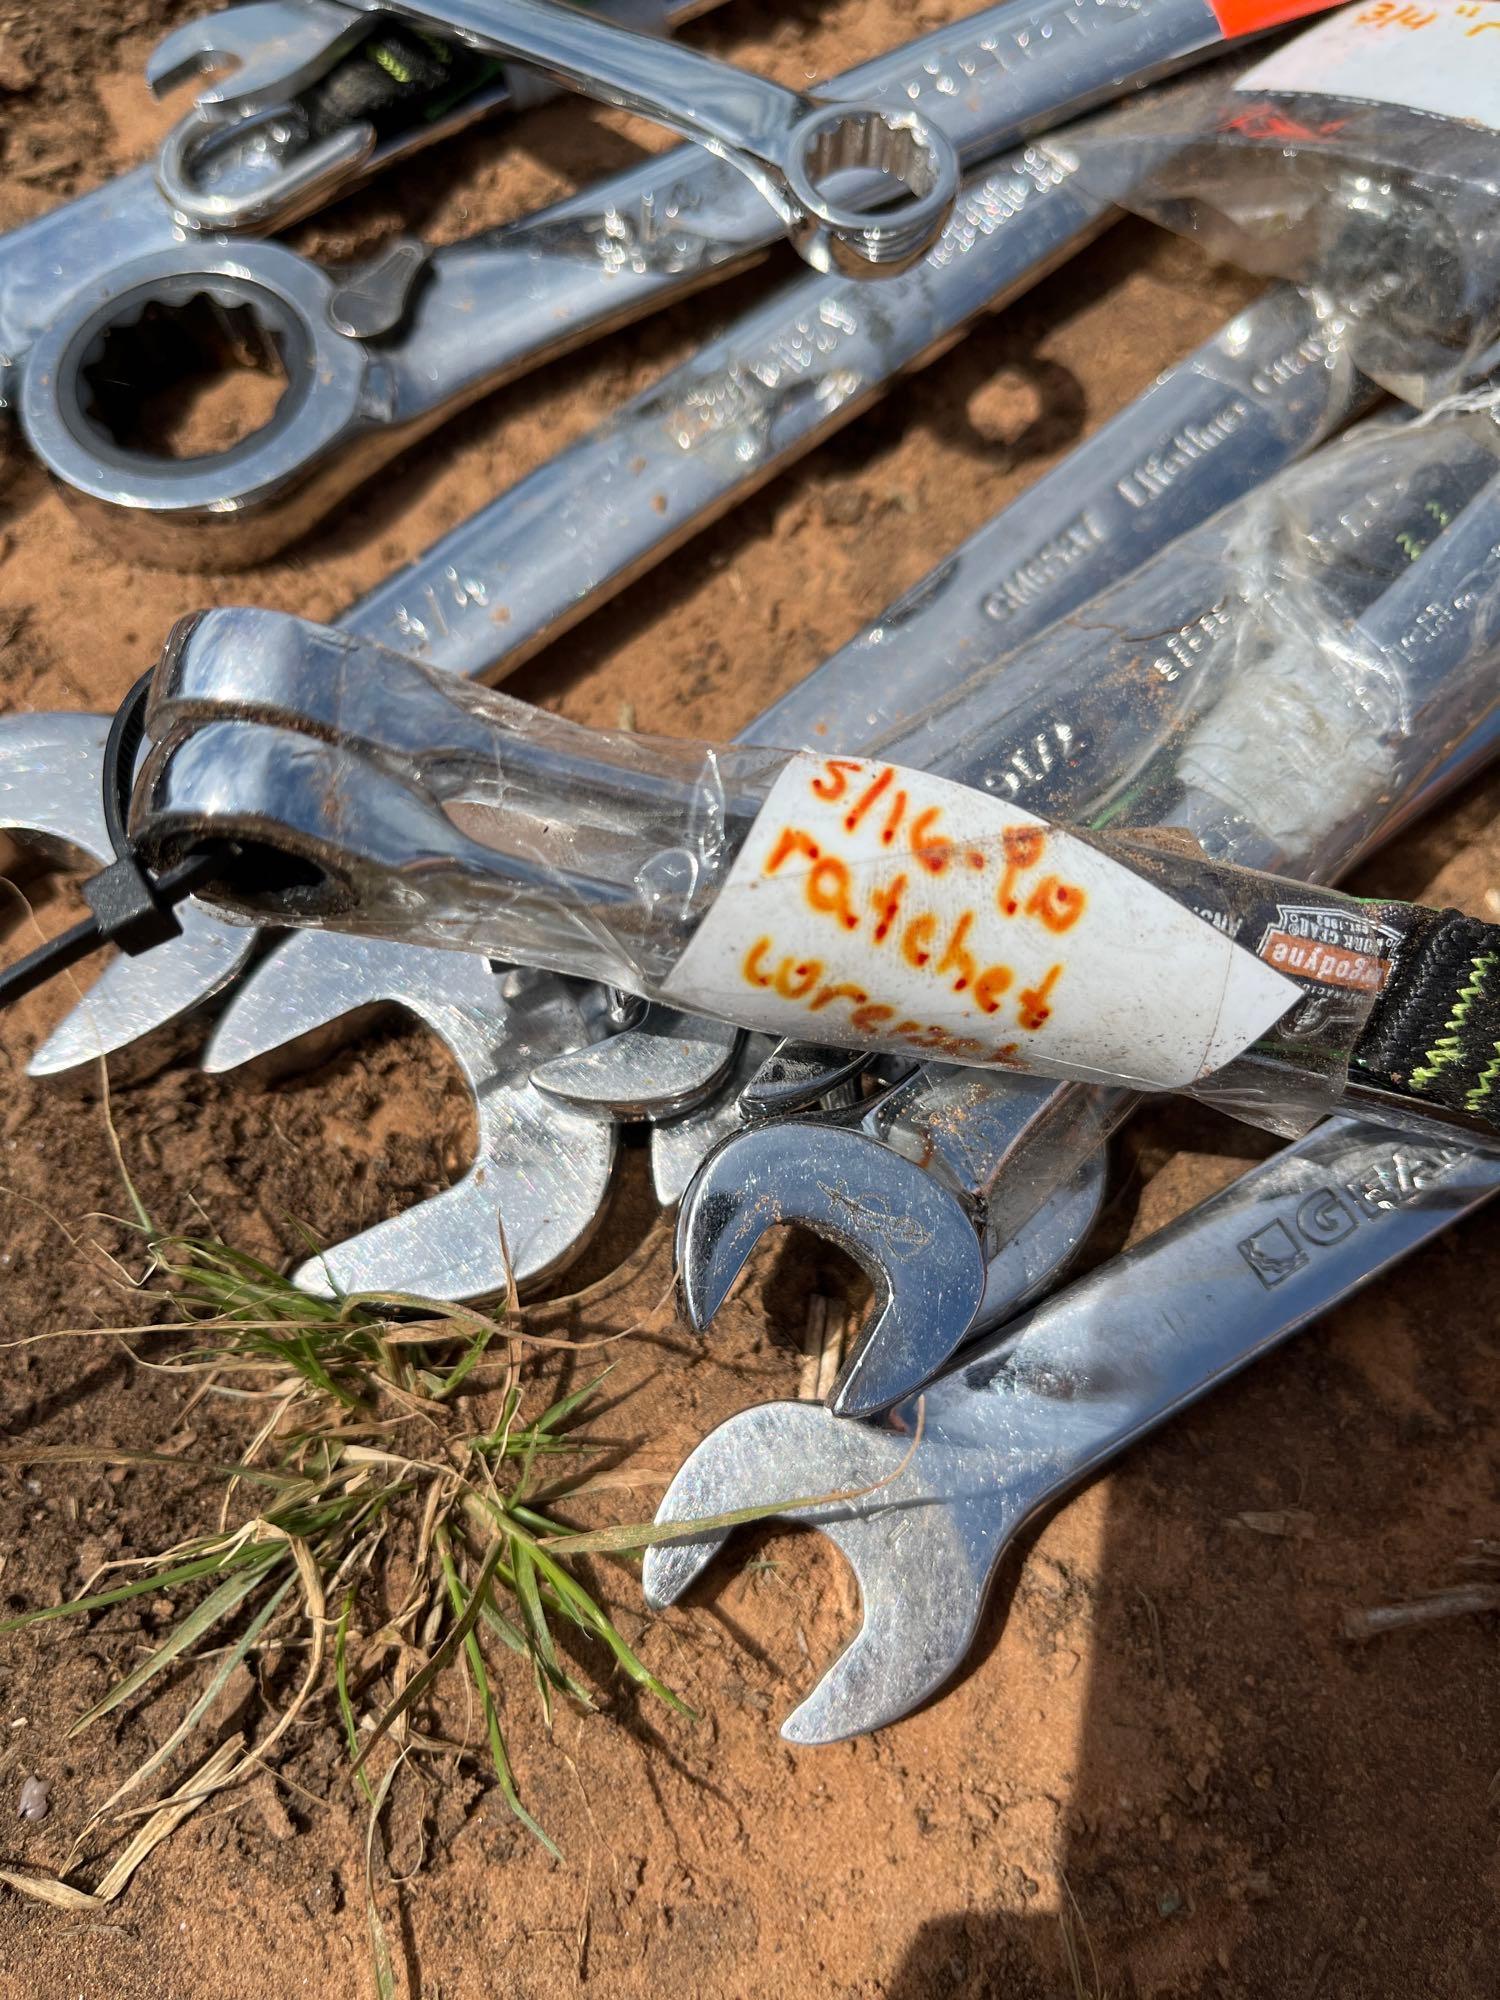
210,1777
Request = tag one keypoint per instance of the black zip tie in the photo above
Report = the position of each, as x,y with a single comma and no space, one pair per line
131,908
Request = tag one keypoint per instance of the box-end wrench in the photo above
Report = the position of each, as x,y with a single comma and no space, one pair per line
1045,1403
334,100
1240,764
477,314
790,146
1264,389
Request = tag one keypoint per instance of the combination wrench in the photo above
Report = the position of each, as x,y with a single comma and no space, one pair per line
257,151
1047,1401
1238,760
435,331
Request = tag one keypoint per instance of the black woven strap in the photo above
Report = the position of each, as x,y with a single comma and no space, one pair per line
1434,1034
387,75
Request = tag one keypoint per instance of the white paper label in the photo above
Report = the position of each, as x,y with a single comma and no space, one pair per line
879,907
1429,57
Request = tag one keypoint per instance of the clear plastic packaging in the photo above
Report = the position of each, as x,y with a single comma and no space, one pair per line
1332,163
1277,687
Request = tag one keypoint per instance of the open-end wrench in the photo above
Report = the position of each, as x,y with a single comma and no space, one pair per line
373,366
902,1186
1267,387
325,92
787,144
1244,772
1046,1402
536,1189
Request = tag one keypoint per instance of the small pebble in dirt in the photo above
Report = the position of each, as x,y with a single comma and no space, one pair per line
36,1799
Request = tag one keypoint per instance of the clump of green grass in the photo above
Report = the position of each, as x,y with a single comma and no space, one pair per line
365,1461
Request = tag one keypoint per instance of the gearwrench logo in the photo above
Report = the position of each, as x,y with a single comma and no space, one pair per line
1327,1215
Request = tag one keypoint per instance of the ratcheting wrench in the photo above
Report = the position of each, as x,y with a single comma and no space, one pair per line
1269,378
1242,766
1047,1401
1267,387
375,362
787,144
589,884
323,85
257,151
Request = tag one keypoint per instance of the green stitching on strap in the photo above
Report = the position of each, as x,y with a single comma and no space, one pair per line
1489,1077
1446,1049
388,60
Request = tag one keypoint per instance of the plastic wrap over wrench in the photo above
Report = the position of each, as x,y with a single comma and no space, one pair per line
1051,1399
323,783
1270,385
420,337
1218,764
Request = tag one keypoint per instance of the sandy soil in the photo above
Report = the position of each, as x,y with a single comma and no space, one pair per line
1162,1729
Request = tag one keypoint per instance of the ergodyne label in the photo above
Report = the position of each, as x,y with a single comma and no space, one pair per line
880,907
1429,57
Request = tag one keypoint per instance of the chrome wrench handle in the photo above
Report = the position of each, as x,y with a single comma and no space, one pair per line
1047,1401
300,169
488,309
787,143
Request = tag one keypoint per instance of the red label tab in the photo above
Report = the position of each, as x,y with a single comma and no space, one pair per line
1253,17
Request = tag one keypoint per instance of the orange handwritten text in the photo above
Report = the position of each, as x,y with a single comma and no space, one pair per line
896,914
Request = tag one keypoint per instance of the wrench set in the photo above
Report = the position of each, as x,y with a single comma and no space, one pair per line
1055,830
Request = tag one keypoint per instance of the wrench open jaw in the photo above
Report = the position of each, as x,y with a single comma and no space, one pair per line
921,1548
1043,1403
265,52
541,1173
662,1067
51,778
937,1282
